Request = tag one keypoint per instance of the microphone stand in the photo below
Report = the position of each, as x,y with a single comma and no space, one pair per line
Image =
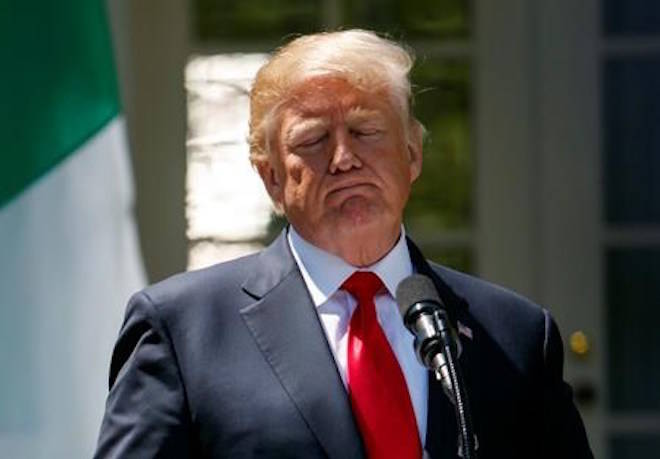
436,345
449,373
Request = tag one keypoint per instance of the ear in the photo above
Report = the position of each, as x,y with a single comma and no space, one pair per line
415,149
271,180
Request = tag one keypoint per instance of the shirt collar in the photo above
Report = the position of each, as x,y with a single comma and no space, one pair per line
324,272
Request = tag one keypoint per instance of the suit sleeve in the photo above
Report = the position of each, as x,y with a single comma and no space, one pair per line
145,414
564,433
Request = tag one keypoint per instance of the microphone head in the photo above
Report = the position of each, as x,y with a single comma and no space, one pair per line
416,289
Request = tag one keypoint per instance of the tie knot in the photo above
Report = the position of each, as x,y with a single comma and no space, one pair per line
363,285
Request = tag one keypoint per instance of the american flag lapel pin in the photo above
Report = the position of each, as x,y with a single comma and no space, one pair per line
464,330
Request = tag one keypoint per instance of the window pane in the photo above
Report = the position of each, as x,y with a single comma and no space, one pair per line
411,18
256,19
227,208
632,140
633,315
442,197
631,17
634,446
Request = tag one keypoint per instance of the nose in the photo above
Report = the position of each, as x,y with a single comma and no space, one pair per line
343,157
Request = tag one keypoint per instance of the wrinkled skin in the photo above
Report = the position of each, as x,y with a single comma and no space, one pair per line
341,167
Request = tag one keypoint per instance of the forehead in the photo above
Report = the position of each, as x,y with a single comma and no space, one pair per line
328,96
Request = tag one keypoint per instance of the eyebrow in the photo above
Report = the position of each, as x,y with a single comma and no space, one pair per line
302,127
358,115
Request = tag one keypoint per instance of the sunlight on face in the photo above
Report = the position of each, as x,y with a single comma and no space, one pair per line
342,165
309,135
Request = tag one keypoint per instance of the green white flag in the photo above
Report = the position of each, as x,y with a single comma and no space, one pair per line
68,244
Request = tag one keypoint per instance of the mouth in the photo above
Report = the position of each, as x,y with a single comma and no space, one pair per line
348,184
350,187
347,191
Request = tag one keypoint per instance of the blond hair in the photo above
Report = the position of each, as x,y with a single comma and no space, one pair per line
367,61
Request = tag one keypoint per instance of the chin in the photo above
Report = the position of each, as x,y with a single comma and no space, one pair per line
368,225
362,218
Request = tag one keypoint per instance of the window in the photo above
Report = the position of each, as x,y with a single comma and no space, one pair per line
227,209
630,71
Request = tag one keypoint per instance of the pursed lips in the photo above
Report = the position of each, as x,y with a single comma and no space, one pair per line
348,186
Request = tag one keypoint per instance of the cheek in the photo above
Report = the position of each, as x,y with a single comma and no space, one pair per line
400,180
403,191
293,169
298,174
306,171
300,180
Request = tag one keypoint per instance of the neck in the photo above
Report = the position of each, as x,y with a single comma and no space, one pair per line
358,249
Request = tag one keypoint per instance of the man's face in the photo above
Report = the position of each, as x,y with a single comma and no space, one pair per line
341,166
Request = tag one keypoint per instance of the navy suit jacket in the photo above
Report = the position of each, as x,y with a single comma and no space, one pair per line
232,362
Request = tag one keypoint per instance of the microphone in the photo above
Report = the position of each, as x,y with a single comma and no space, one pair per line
425,315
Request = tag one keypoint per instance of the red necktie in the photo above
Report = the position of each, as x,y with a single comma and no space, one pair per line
378,391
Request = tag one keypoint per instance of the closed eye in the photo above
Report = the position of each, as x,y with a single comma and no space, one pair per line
366,133
311,143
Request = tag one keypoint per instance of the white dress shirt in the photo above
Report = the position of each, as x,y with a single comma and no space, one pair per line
324,274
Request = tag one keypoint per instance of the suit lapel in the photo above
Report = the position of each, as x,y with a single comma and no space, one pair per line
287,330
456,306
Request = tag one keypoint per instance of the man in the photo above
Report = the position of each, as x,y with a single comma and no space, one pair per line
299,351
